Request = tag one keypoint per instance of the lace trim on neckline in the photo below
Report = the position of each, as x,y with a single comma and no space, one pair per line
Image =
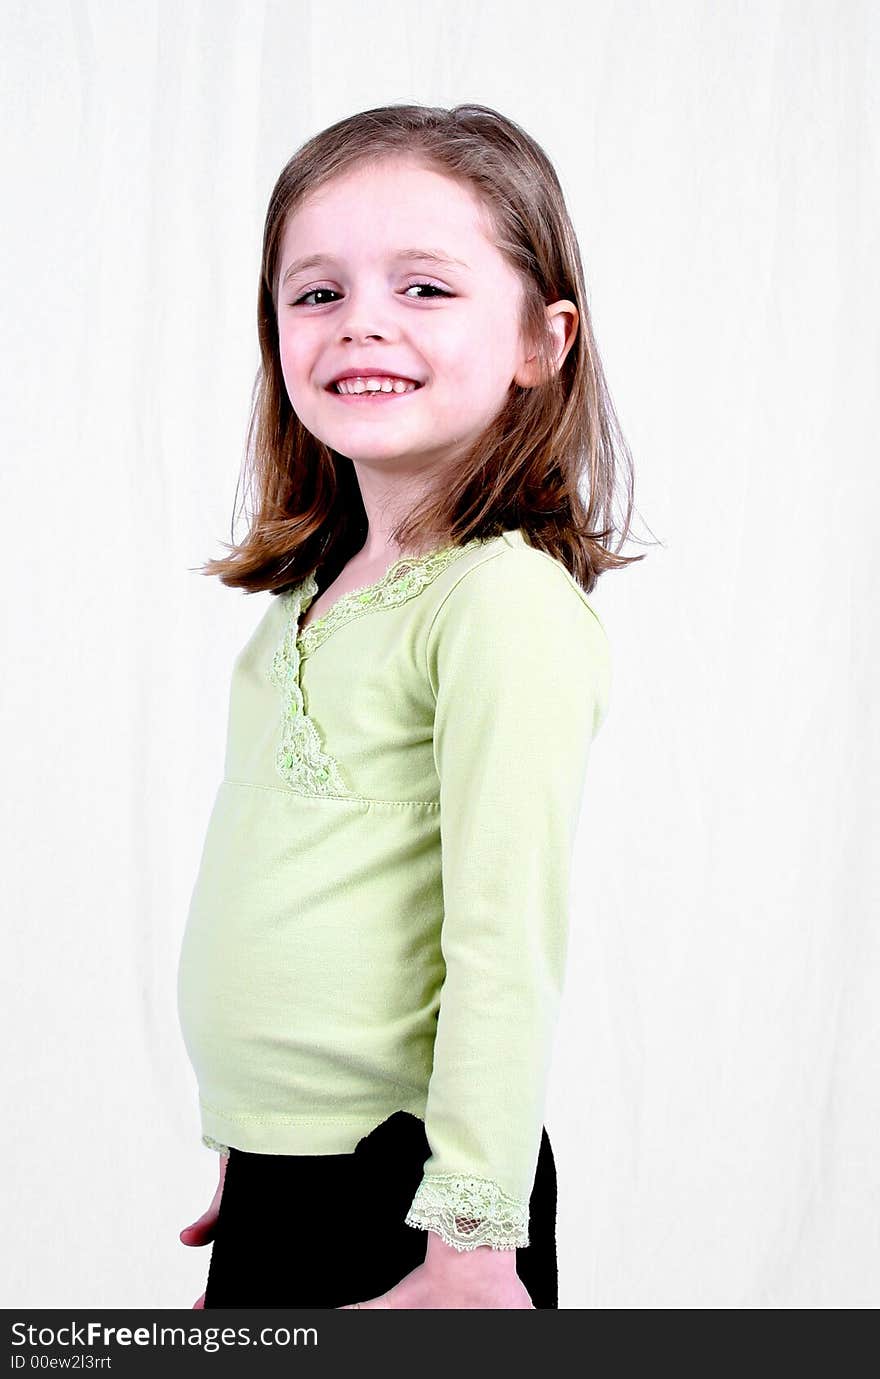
466,1212
401,581
300,759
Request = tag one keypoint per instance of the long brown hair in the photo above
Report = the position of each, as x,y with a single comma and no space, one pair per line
530,464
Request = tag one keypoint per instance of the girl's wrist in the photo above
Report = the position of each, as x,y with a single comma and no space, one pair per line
480,1258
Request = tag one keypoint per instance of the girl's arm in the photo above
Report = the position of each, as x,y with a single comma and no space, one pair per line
520,667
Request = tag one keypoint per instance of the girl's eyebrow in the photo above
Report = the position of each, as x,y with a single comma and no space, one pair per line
436,256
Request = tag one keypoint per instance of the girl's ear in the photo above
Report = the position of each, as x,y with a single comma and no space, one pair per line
563,319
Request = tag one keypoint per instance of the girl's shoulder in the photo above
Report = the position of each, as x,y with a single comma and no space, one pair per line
506,577
508,615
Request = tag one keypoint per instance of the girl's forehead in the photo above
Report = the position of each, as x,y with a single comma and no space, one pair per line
390,210
408,176
400,192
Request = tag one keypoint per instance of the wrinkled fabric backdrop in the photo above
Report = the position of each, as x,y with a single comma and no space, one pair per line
715,1102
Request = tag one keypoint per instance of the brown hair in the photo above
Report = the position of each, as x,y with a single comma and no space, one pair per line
525,469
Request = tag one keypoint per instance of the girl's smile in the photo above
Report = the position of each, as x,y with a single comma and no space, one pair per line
369,381
373,395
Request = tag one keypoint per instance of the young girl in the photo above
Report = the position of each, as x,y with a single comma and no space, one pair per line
374,955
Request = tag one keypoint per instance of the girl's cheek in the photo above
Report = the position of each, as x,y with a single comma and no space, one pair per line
289,363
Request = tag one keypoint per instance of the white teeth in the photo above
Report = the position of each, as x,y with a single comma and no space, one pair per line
374,385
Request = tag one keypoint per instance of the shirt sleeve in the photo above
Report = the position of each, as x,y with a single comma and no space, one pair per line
520,668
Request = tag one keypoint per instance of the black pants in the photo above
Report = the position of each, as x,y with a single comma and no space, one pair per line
325,1230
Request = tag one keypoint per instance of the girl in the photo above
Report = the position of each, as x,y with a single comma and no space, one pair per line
373,959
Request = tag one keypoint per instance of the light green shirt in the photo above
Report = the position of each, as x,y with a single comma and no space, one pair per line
380,916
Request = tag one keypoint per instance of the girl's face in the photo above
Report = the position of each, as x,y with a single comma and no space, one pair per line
372,296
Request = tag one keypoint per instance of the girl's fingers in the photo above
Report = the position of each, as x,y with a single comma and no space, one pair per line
201,1231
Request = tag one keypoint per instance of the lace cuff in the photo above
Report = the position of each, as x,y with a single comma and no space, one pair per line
467,1212
215,1144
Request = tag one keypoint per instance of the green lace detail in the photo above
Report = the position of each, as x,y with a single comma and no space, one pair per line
215,1144
301,759
467,1212
401,581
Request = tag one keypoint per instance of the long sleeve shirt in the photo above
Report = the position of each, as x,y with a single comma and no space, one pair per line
380,916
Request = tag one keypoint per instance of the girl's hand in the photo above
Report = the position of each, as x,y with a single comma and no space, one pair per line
449,1278
203,1230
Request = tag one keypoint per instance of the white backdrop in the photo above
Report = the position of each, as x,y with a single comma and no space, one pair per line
715,1102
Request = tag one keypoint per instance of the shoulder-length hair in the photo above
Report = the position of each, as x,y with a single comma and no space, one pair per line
549,463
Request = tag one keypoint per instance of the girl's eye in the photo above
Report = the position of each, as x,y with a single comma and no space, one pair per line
433,287
302,300
314,290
